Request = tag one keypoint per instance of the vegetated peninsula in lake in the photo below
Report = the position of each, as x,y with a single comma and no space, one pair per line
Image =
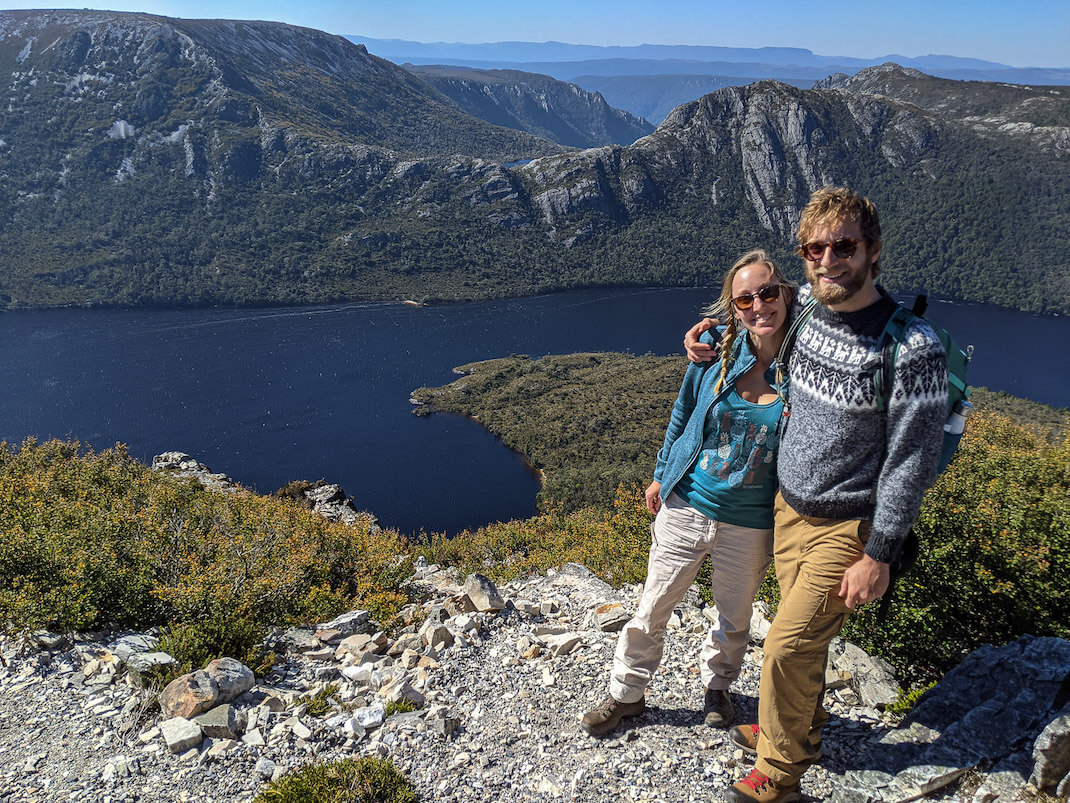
272,395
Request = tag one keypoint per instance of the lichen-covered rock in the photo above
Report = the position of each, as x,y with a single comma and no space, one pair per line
223,680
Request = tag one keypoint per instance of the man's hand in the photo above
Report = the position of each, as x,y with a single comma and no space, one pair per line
864,582
697,351
653,497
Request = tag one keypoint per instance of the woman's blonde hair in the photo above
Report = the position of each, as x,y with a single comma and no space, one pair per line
725,311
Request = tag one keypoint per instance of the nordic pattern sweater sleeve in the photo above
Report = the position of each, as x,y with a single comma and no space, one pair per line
842,456
917,408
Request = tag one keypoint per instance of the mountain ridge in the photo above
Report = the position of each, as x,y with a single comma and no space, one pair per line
221,175
541,105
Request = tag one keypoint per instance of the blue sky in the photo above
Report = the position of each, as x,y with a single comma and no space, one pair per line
1021,33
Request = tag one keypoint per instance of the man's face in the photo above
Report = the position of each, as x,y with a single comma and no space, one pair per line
834,280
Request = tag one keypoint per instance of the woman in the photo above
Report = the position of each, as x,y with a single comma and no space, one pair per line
713,495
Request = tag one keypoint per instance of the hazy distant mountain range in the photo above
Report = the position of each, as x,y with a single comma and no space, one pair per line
150,160
518,52
651,80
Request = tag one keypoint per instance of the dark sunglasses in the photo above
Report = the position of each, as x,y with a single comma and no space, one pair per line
768,294
843,248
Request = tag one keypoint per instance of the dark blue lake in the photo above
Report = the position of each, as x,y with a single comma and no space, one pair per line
272,395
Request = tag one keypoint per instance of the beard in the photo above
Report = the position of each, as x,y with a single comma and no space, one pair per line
837,293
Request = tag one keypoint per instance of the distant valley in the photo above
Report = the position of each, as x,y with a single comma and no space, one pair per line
148,161
650,80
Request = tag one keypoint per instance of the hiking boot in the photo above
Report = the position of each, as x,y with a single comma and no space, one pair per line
718,708
757,786
745,736
608,714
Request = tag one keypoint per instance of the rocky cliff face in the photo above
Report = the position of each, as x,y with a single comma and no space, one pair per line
538,104
1037,114
779,142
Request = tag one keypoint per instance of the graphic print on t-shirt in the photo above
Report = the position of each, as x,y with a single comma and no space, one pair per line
739,447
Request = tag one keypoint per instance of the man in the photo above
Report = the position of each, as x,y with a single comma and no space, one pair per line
852,475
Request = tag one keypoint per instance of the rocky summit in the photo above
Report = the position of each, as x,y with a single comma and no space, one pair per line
498,678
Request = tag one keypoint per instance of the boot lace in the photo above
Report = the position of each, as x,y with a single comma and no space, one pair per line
756,780
607,706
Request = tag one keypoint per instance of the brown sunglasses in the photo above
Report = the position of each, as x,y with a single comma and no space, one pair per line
768,294
844,248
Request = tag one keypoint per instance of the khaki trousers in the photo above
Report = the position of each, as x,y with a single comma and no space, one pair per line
681,538
811,556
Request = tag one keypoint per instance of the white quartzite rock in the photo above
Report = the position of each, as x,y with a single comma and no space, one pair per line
371,716
611,617
1051,756
179,734
348,624
254,738
436,635
265,768
483,593
564,643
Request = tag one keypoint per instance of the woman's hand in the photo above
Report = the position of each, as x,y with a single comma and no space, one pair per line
653,497
698,351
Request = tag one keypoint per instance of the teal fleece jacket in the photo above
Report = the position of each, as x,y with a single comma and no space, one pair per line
684,435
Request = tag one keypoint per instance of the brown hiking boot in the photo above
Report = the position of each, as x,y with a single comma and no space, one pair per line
718,708
745,736
757,786
608,714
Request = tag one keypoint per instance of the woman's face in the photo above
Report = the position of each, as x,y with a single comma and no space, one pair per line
762,318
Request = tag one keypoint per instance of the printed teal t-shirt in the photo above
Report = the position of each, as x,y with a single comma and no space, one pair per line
733,478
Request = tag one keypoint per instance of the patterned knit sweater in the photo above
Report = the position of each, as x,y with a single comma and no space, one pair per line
841,455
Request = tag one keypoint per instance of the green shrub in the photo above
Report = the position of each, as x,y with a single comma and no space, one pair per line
402,706
613,544
295,491
319,705
194,644
73,548
91,539
908,699
995,555
364,780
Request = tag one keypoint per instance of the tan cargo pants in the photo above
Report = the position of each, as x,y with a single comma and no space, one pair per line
811,556
681,538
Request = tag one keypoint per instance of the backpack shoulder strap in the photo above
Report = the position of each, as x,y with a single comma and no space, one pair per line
784,355
890,340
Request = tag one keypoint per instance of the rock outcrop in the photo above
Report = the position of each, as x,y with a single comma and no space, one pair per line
328,500
182,465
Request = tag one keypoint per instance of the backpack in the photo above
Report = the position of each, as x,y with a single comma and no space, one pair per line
958,361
